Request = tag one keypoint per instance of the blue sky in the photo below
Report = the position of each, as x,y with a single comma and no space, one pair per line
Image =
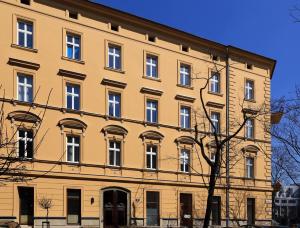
261,26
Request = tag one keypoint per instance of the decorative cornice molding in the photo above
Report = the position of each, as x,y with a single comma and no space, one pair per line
24,64
113,83
24,117
185,98
115,129
152,135
250,111
72,123
185,140
215,104
71,74
151,91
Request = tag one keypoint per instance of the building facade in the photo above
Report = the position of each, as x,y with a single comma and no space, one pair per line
69,72
287,205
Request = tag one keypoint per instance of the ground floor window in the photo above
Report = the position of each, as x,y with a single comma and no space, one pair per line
216,210
73,206
152,204
26,199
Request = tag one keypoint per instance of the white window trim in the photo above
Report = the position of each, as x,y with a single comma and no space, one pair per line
73,145
152,110
151,154
73,95
185,72
249,166
114,55
185,115
25,32
215,83
249,89
115,151
185,160
151,64
73,44
25,85
114,102
25,139
215,121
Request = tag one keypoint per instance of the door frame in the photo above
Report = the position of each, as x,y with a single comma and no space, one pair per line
178,205
19,203
101,205
192,206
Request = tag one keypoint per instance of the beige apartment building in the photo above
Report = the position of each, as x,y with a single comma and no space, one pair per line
102,105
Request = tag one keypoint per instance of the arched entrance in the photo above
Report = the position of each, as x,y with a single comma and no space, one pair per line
116,207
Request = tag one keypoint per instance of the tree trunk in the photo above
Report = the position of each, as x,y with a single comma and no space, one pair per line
211,189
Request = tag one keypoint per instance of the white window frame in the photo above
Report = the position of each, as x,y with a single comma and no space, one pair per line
249,129
73,145
25,85
151,64
115,151
25,32
152,110
215,83
73,95
185,160
186,116
215,121
114,102
185,71
249,90
249,166
25,139
74,45
115,56
151,154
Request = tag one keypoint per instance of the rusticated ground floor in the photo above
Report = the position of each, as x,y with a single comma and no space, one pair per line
108,203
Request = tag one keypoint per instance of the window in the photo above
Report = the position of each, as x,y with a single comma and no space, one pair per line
249,90
25,34
151,66
212,156
250,211
25,87
215,119
73,46
73,206
114,27
73,96
249,129
73,15
185,75
151,38
185,117
215,83
215,57
152,205
184,160
25,2
152,111
114,103
25,147
250,167
114,57
114,153
249,66
73,148
185,48
151,155
216,210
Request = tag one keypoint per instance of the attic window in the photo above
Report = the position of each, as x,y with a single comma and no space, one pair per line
114,27
151,38
215,57
25,2
249,66
73,15
185,48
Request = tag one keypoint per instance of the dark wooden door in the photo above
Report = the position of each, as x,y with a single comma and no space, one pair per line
26,199
251,211
186,210
115,208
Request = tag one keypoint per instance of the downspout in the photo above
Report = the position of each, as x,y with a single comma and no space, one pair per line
227,135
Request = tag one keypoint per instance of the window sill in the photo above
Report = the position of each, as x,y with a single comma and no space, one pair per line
108,117
185,129
67,110
151,170
146,123
214,93
24,48
115,70
115,167
73,60
73,163
250,100
152,78
184,86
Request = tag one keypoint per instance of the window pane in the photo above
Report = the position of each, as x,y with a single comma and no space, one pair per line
118,63
21,93
76,103
21,39
29,41
77,53
21,149
148,72
69,38
29,149
77,40
111,61
148,161
29,27
152,205
29,94
111,157
77,151
69,51
69,101
154,161
69,153
21,25
73,206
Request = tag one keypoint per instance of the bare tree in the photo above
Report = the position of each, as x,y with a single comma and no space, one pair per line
13,168
46,203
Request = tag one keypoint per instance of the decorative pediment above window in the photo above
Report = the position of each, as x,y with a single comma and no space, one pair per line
250,111
115,129
152,135
24,64
184,140
185,98
214,104
71,74
113,83
251,148
72,123
151,91
24,116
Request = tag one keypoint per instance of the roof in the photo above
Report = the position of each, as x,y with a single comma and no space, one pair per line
173,32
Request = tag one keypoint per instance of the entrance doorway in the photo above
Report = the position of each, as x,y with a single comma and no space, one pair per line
26,206
115,208
186,210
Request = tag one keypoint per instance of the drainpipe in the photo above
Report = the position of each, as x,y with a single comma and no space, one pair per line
227,135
